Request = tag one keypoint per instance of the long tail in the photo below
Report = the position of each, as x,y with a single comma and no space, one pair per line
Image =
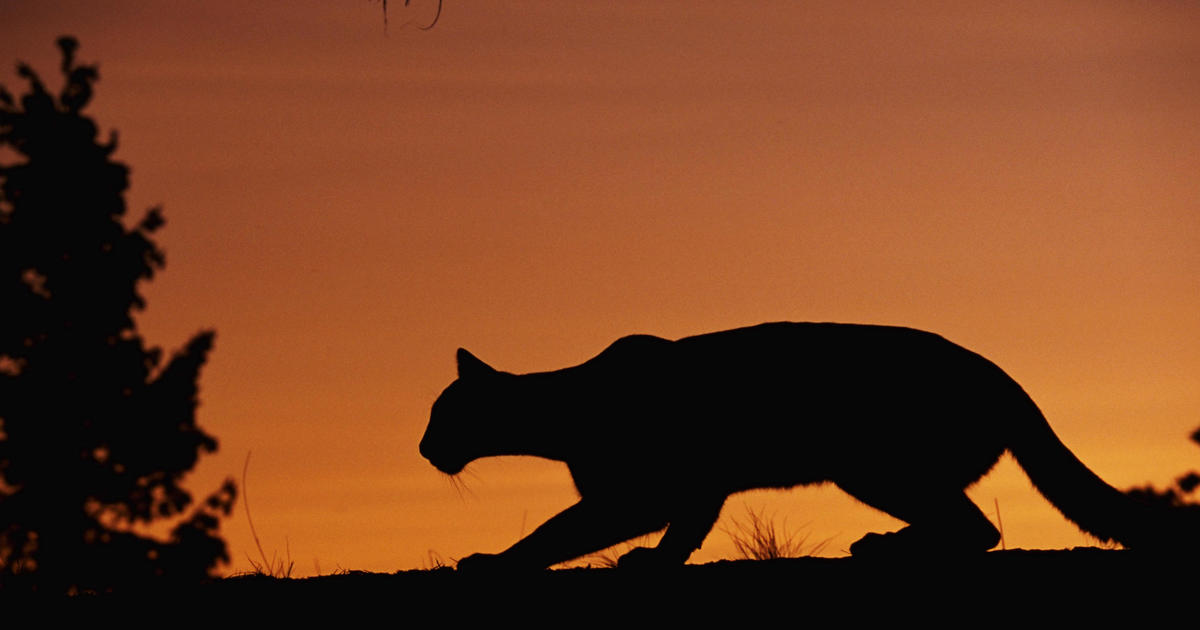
1084,498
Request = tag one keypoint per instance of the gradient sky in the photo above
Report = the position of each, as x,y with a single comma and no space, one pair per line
532,180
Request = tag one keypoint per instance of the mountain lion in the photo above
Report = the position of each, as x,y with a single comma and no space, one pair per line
657,433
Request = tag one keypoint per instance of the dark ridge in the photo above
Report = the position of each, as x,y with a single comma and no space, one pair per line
1081,582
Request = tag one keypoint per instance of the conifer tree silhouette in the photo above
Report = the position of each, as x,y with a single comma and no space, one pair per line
96,430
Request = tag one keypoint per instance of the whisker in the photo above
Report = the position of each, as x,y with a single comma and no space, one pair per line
460,487
472,474
454,483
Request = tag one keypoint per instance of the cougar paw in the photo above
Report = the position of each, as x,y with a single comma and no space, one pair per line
874,545
484,563
642,558
909,542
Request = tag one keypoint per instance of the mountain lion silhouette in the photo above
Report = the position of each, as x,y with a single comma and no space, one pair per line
657,433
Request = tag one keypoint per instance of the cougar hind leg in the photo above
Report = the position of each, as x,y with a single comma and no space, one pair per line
944,522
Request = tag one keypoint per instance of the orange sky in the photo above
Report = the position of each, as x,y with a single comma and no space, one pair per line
532,180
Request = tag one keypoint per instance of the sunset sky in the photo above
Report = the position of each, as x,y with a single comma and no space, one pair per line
346,206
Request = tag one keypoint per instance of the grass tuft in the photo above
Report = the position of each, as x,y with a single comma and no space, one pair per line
434,561
275,567
758,538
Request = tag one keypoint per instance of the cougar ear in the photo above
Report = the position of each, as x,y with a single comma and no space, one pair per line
469,366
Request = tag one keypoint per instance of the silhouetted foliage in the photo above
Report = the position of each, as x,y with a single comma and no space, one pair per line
1176,496
96,430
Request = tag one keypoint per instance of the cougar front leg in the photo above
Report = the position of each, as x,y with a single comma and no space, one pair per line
690,524
586,527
